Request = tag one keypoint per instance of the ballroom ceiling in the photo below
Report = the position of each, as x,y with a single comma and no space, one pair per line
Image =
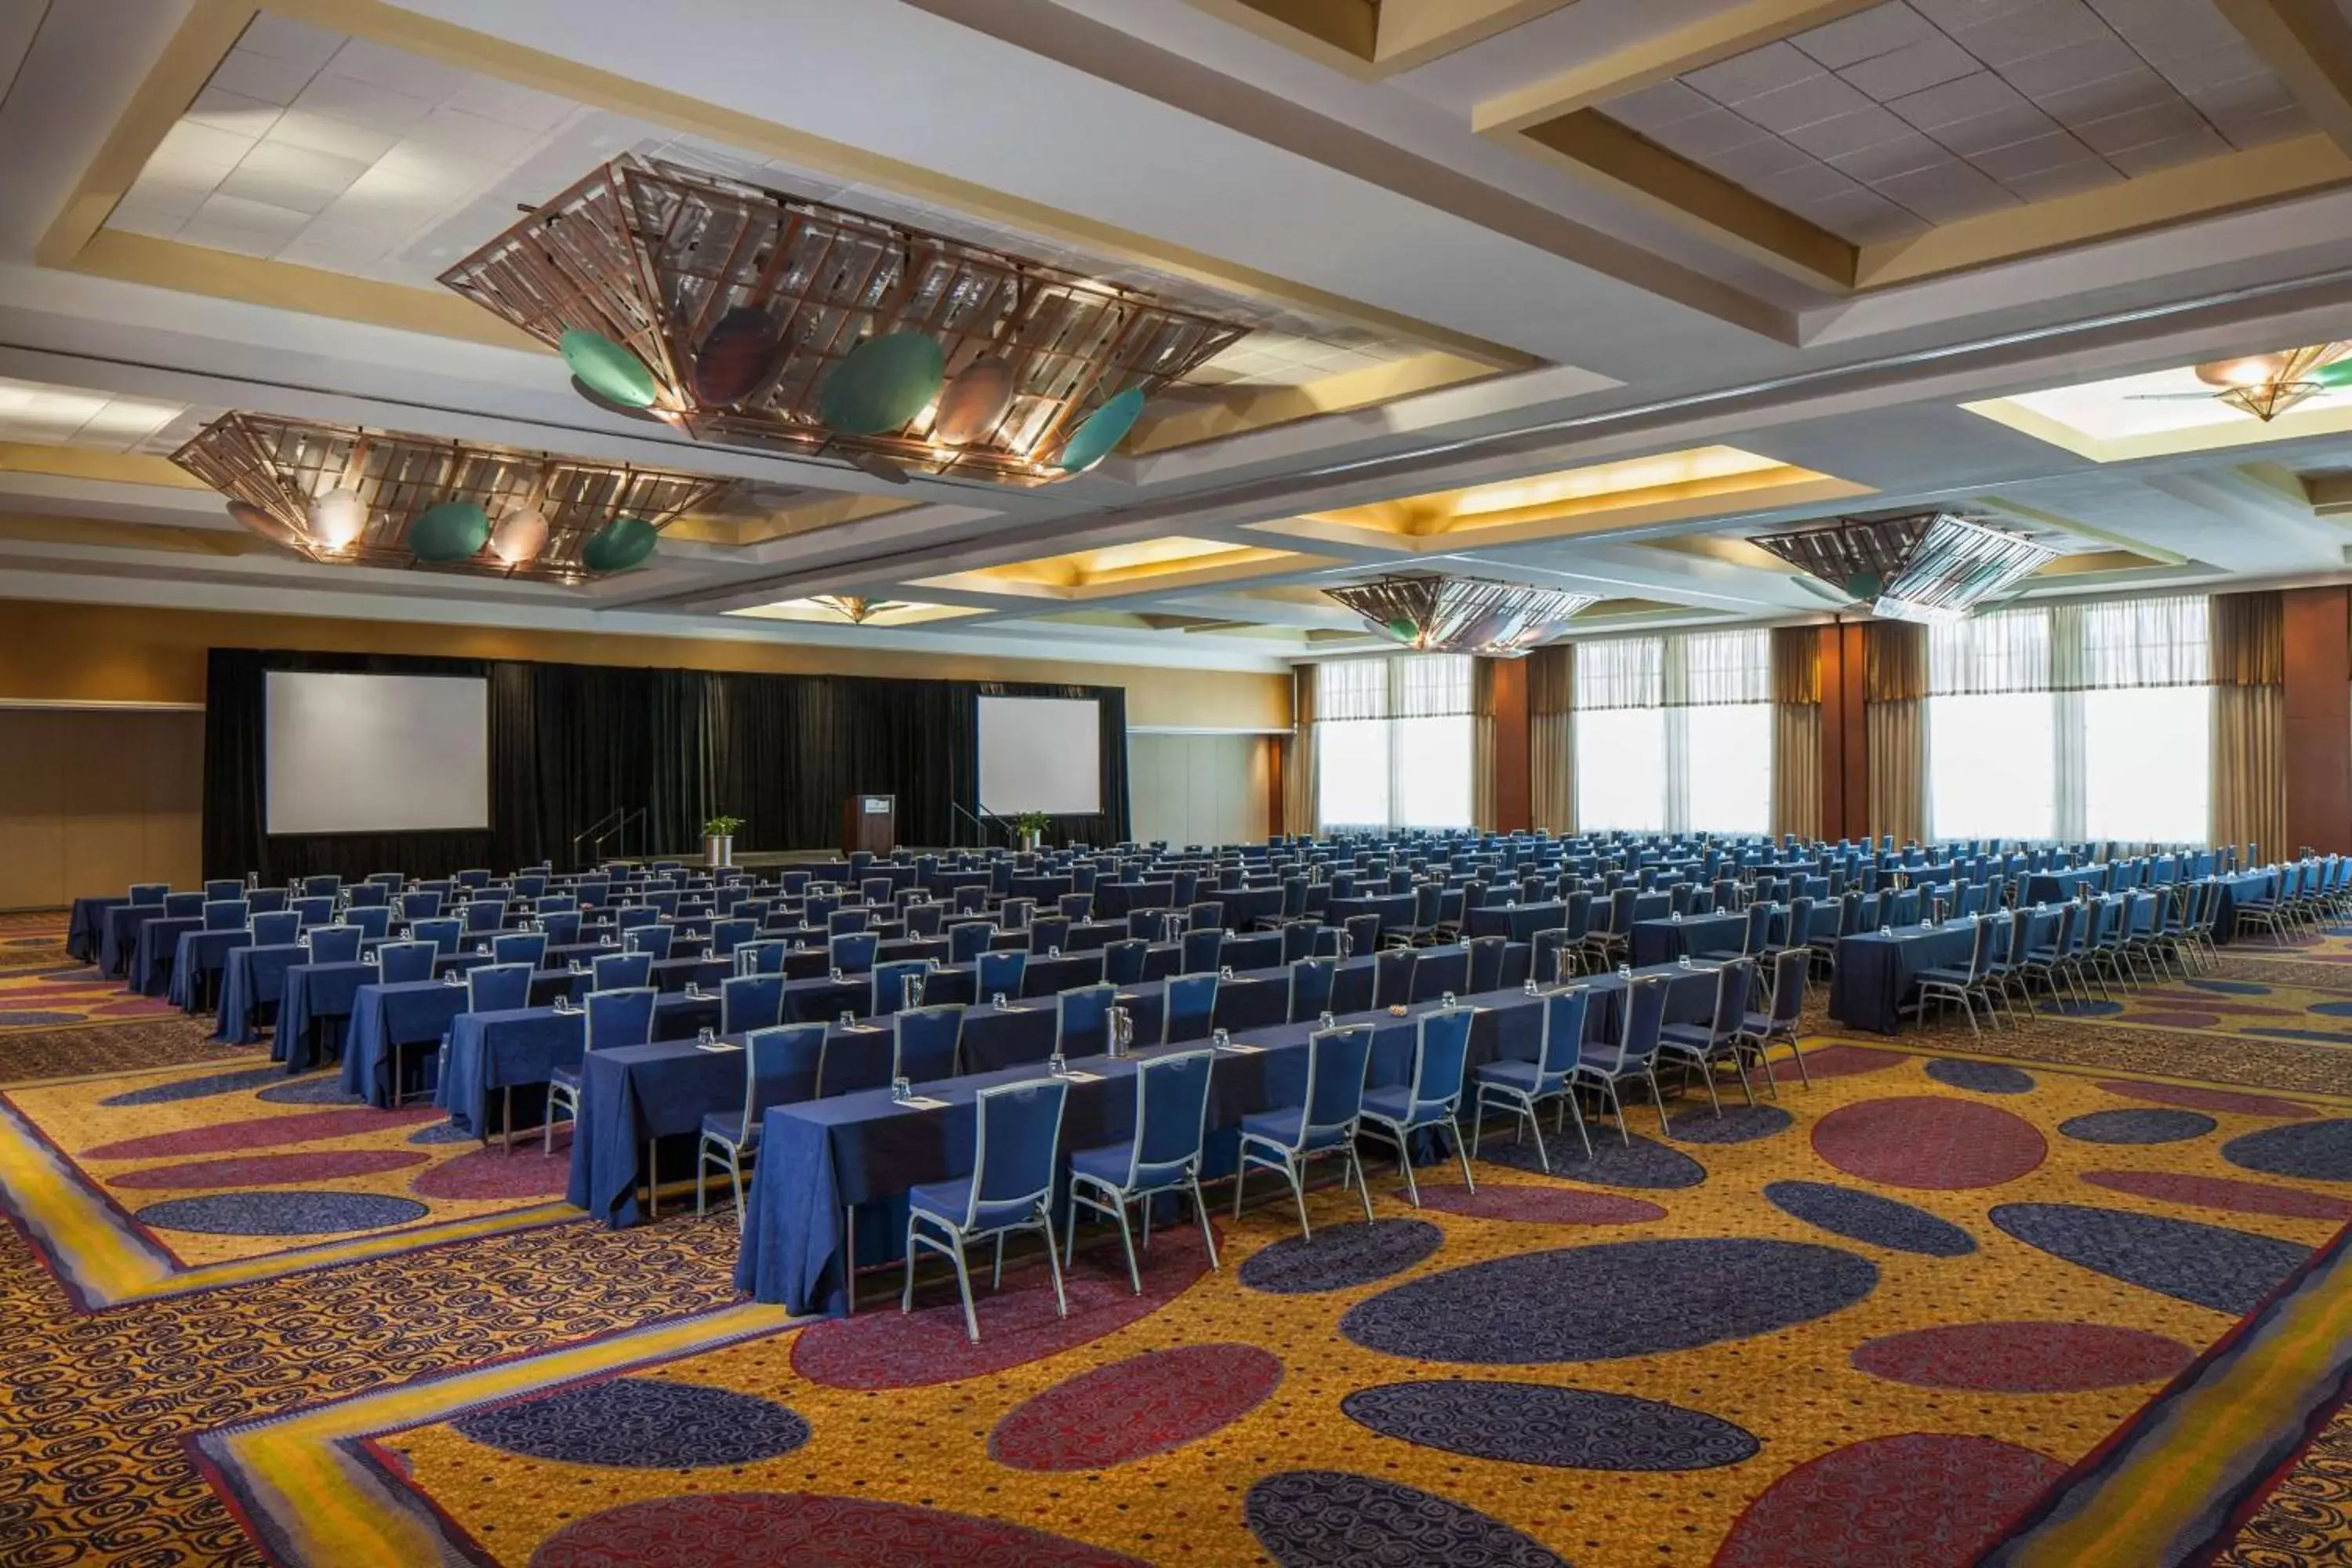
1581,294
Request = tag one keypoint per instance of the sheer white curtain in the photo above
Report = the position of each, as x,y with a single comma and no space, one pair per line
1392,740
2072,721
1674,733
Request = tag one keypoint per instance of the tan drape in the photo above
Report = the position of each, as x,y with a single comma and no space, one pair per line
1299,781
2249,649
1482,744
1551,739
1797,731
1894,691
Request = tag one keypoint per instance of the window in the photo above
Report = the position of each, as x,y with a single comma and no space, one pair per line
2073,722
1675,733
1392,739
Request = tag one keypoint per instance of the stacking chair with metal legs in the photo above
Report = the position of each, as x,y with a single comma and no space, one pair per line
1171,1124
1433,1099
1188,1008
1643,1013
1965,985
780,1067
1015,1144
1783,1019
1701,1046
1521,1087
616,1018
1285,1140
926,1042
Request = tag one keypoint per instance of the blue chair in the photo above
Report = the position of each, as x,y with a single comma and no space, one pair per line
841,921
218,889
967,940
184,906
476,877
483,916
726,935
401,963
1521,1087
530,886
748,1002
226,914
926,1042
419,905
554,904
620,971
616,1018
782,1066
1441,1056
1047,933
443,933
275,928
1634,1054
315,910
889,985
1188,1008
1785,1012
1285,1140
655,941
329,944
262,900
925,920
1171,1124
563,929
1487,954
1311,980
999,974
765,957
146,894
374,921
1701,1046
1203,951
519,947
1017,1135
852,951
498,987
1123,961
1082,1027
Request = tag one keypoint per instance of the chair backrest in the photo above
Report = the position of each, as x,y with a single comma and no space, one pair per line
519,947
226,914
443,933
970,898
967,940
1047,932
1014,913
621,1018
1188,1008
1082,1023
750,1002
1016,1143
274,928
1441,1056
419,905
483,915
782,1066
375,919
218,889
1486,954
1123,961
726,935
620,971
654,941
999,974
875,889
1562,1046
888,992
315,909
1363,933
1732,983
262,900
143,894
1203,951
329,944
924,918
925,1042
1310,987
1337,1061
530,885
498,987
398,962
1392,973
1171,1115
1643,1014
184,906
1791,968
852,951
760,957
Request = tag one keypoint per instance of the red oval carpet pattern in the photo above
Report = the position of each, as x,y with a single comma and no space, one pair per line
2021,1358
1539,1206
1918,1501
1147,1403
265,1131
755,1530
262,1169
2206,1099
1929,1143
495,1174
1844,1061
2222,1193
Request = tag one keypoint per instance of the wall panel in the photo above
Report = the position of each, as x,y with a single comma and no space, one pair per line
1198,789
93,801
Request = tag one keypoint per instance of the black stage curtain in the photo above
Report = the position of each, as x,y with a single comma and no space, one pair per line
569,743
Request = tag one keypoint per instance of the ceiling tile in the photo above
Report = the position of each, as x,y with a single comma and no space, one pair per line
2029,30
2001,129
1752,161
2170,30
521,106
1926,64
1865,34
338,138
2262,129
159,194
2110,96
254,76
379,64
474,137
2226,62
1813,182
1753,74
2152,157
1847,133
261,217
134,214
1947,192
1860,216
1704,135
1970,97
283,38
2035,156
2092,59
1806,104
2139,127
189,149
1872,165
233,112
291,177
1661,104
363,104
1954,14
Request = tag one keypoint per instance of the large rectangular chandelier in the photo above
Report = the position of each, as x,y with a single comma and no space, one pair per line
1920,566
748,316
339,493
1434,614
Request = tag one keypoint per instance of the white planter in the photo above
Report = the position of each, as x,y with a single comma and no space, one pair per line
1031,838
719,849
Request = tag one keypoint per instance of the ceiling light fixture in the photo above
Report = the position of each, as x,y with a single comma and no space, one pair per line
1434,614
1919,566
339,493
852,609
2267,385
749,316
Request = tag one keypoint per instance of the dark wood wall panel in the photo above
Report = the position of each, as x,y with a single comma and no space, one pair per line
2318,703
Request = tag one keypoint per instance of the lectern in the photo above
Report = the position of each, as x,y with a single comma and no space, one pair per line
869,822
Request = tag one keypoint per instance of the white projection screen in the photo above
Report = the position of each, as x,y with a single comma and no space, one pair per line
377,753
1040,753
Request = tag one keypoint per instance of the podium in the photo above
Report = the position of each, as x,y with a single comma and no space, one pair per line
869,822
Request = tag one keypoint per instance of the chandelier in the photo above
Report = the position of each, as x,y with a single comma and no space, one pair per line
1921,566
340,493
1462,615
854,609
2267,385
747,316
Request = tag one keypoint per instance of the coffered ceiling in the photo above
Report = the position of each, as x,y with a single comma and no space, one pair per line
1579,294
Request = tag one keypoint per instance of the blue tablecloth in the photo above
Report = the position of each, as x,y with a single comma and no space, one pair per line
119,934
1663,941
818,1159
153,950
494,1051
2237,889
1519,923
1395,911
252,978
1877,973
86,926
421,1011
1244,907
201,955
318,996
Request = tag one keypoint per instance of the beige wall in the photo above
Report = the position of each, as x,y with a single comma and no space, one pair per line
1199,789
92,801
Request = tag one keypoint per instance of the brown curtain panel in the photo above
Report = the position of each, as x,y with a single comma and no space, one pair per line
2249,640
1797,731
1299,780
1894,691
1482,744
1551,737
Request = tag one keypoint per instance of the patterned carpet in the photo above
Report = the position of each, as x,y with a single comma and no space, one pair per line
1874,1323
60,1020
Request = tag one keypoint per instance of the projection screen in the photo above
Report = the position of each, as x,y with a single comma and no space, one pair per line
1040,753
377,753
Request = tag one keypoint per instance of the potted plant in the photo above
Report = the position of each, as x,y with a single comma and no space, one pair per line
1030,826
718,839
